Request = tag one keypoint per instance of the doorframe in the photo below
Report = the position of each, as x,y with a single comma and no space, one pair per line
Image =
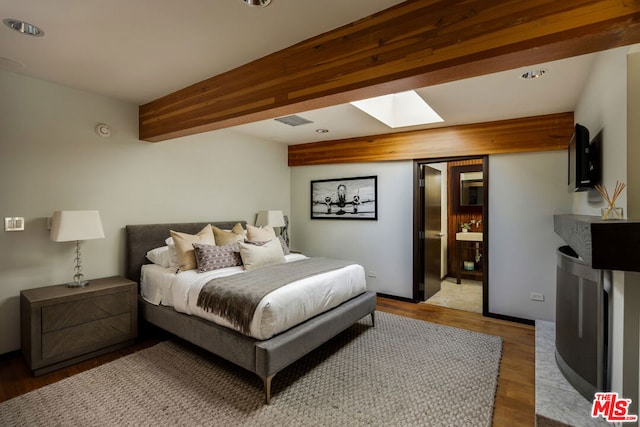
418,225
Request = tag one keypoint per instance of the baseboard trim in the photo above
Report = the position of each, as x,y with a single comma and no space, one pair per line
510,318
11,355
411,300
492,315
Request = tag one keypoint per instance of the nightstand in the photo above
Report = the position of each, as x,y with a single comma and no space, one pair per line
61,326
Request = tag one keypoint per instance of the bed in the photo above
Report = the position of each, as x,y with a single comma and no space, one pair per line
264,357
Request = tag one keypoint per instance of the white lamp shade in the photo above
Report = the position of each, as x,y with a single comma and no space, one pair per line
68,226
272,218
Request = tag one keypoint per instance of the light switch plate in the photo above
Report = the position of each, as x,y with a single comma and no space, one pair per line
15,223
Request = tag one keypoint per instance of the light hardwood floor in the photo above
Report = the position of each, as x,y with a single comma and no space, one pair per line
515,398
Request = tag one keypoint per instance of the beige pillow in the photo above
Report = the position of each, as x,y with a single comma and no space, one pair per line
184,246
260,256
285,248
260,234
224,237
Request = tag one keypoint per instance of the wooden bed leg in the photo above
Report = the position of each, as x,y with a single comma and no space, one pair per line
267,389
373,318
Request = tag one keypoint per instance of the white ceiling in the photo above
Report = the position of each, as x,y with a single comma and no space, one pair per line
497,96
139,50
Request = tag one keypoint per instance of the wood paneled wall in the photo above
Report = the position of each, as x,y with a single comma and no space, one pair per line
541,133
456,218
414,44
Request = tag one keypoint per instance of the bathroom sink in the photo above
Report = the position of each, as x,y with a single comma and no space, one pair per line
471,236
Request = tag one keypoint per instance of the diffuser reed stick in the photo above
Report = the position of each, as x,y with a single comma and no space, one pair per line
611,201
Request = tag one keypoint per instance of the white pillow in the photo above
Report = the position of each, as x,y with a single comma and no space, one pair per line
160,256
173,254
260,256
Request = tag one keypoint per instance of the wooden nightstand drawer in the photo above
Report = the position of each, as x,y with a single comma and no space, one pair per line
86,337
61,325
74,313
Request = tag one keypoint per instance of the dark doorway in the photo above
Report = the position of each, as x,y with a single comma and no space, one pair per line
436,224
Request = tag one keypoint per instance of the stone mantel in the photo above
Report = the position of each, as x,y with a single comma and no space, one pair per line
605,245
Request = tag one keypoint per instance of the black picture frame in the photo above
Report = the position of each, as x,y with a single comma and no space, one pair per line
353,198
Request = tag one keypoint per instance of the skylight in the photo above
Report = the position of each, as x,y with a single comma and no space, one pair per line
399,109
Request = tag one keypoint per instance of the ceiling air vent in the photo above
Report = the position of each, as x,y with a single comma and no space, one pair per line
293,120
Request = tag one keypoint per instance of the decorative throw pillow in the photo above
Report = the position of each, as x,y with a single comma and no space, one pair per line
285,248
260,234
224,237
184,246
160,256
254,256
211,257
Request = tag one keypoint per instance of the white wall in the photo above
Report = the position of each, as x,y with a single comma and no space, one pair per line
603,106
631,279
610,103
50,159
383,246
525,190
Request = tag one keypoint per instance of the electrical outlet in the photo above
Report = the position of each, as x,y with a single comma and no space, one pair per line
537,296
372,274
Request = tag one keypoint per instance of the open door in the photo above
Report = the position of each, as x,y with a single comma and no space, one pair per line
432,230
433,240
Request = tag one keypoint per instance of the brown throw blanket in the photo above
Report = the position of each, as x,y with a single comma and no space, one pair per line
236,297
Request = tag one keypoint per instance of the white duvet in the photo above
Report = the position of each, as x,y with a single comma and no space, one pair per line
278,311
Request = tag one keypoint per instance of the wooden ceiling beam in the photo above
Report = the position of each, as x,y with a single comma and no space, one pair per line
414,44
541,133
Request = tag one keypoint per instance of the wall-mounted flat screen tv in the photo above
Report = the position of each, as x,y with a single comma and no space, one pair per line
583,159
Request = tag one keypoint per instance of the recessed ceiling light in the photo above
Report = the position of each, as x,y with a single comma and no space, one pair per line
322,130
399,109
23,27
534,74
260,3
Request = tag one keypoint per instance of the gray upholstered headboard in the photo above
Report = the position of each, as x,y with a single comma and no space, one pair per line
142,238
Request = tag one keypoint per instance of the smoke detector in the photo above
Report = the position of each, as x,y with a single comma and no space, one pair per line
103,130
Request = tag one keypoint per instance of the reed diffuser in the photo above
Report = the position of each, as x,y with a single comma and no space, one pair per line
611,211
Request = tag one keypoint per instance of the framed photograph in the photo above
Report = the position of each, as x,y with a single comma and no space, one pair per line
345,198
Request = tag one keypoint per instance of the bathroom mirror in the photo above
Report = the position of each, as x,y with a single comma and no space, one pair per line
471,189
467,185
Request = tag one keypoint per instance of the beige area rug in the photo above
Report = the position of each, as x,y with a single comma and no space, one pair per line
466,296
403,372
